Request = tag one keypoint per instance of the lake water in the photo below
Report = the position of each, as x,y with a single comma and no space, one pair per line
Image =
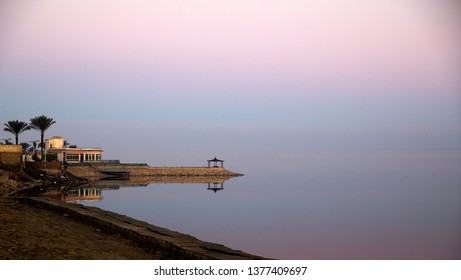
343,204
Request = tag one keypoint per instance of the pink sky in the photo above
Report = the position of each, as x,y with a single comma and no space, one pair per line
322,64
266,85
366,41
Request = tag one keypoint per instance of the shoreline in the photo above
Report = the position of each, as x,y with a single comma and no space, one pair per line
18,187
167,244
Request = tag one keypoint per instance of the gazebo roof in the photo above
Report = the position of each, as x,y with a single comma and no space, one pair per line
215,160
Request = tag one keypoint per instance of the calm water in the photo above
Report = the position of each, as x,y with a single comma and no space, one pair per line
389,204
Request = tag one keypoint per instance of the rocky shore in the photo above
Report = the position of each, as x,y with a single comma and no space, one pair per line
12,182
17,182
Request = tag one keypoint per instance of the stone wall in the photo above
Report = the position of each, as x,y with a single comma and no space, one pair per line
44,165
10,155
86,172
183,171
92,172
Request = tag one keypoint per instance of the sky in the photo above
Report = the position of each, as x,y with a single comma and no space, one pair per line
176,82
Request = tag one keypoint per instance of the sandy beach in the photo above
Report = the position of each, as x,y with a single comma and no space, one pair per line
31,233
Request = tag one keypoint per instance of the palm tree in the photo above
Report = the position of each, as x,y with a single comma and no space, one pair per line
25,147
34,145
16,127
41,124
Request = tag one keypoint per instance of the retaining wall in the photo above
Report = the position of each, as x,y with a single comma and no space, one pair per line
86,172
50,165
10,155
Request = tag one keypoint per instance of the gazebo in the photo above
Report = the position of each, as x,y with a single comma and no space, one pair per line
215,162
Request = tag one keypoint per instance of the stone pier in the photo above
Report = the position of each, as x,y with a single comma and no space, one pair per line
97,171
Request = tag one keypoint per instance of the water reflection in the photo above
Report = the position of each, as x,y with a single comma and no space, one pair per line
77,194
326,205
215,186
83,194
93,191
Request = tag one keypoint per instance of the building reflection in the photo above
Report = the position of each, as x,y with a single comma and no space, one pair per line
82,194
93,191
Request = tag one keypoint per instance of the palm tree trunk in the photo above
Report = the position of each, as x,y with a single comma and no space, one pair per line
42,146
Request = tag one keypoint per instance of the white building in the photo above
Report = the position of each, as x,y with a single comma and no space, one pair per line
55,145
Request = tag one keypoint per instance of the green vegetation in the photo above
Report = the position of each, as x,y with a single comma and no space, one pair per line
51,157
41,123
16,127
25,147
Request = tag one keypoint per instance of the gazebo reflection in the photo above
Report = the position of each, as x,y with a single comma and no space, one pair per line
216,186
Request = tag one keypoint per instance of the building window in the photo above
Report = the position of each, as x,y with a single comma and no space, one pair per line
71,157
98,157
90,157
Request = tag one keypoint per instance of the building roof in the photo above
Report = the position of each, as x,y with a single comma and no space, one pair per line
215,160
73,150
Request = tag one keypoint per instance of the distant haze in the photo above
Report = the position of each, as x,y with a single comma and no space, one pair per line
177,82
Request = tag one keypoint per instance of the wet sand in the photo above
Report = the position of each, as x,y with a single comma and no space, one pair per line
28,232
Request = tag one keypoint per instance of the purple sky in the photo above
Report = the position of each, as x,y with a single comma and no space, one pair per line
197,78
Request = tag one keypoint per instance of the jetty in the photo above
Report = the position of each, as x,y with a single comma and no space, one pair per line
115,170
